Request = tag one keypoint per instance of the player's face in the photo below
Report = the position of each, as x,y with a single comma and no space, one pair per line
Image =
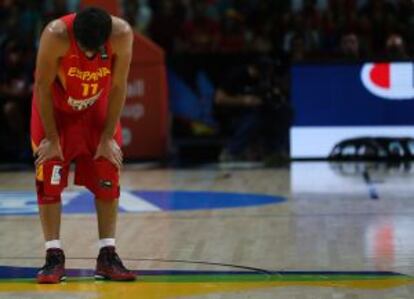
88,53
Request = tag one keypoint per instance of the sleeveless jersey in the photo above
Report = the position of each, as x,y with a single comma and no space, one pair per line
86,81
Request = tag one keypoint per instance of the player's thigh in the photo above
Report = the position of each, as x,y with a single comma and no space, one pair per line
100,176
51,180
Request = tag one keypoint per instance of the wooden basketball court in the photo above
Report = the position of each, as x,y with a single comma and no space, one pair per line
310,230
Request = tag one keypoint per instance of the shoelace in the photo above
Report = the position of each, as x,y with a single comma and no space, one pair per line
111,257
52,259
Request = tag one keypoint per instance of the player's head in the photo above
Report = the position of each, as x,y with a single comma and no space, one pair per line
92,28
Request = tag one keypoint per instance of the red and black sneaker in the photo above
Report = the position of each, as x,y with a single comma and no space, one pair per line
54,269
109,266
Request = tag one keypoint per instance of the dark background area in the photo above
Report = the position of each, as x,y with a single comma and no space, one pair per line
216,38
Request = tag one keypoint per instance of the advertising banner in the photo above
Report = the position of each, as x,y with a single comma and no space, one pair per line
347,104
145,115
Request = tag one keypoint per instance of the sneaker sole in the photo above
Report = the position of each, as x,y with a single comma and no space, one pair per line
100,277
63,278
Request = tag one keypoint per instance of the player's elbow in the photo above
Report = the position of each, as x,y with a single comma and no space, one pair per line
39,85
41,79
42,86
119,88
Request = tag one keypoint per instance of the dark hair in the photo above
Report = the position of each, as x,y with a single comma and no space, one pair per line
92,27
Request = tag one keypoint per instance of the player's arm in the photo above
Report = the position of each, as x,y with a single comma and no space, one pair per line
52,46
121,42
122,47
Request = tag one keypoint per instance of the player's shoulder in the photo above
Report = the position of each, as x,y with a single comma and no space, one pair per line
56,29
120,27
54,41
122,34
55,38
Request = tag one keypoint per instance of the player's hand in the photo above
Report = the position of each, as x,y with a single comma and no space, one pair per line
48,150
110,150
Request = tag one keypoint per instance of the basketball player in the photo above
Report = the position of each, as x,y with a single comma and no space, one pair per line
80,88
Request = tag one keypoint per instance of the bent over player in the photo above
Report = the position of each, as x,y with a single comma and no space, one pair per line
80,89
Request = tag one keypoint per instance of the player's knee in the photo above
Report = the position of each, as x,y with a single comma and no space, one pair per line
106,184
43,197
108,194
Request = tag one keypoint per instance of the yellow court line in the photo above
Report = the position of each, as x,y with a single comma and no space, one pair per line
165,290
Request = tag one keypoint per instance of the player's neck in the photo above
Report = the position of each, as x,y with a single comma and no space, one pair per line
90,54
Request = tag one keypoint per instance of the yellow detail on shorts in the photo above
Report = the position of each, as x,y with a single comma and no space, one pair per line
39,173
34,146
89,76
39,169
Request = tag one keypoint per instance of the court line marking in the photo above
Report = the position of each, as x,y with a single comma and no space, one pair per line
174,215
142,201
135,203
20,273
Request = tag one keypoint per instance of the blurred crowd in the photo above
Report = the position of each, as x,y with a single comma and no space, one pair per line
293,30
302,29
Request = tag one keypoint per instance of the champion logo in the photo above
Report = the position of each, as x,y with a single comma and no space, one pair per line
391,81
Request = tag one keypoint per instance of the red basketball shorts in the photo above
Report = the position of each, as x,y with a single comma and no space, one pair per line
79,136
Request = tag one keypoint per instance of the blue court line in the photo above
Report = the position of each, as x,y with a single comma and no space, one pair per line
24,203
10,272
179,200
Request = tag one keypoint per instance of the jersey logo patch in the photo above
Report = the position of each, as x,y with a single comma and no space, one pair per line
79,105
56,175
106,184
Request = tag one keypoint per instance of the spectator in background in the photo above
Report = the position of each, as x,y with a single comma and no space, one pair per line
19,19
166,23
214,26
54,9
298,26
395,48
311,19
261,40
297,52
293,27
349,48
9,19
378,15
201,33
232,38
15,91
250,97
405,13
29,21
138,13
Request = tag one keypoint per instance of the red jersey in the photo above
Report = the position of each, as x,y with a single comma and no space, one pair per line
85,80
80,98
